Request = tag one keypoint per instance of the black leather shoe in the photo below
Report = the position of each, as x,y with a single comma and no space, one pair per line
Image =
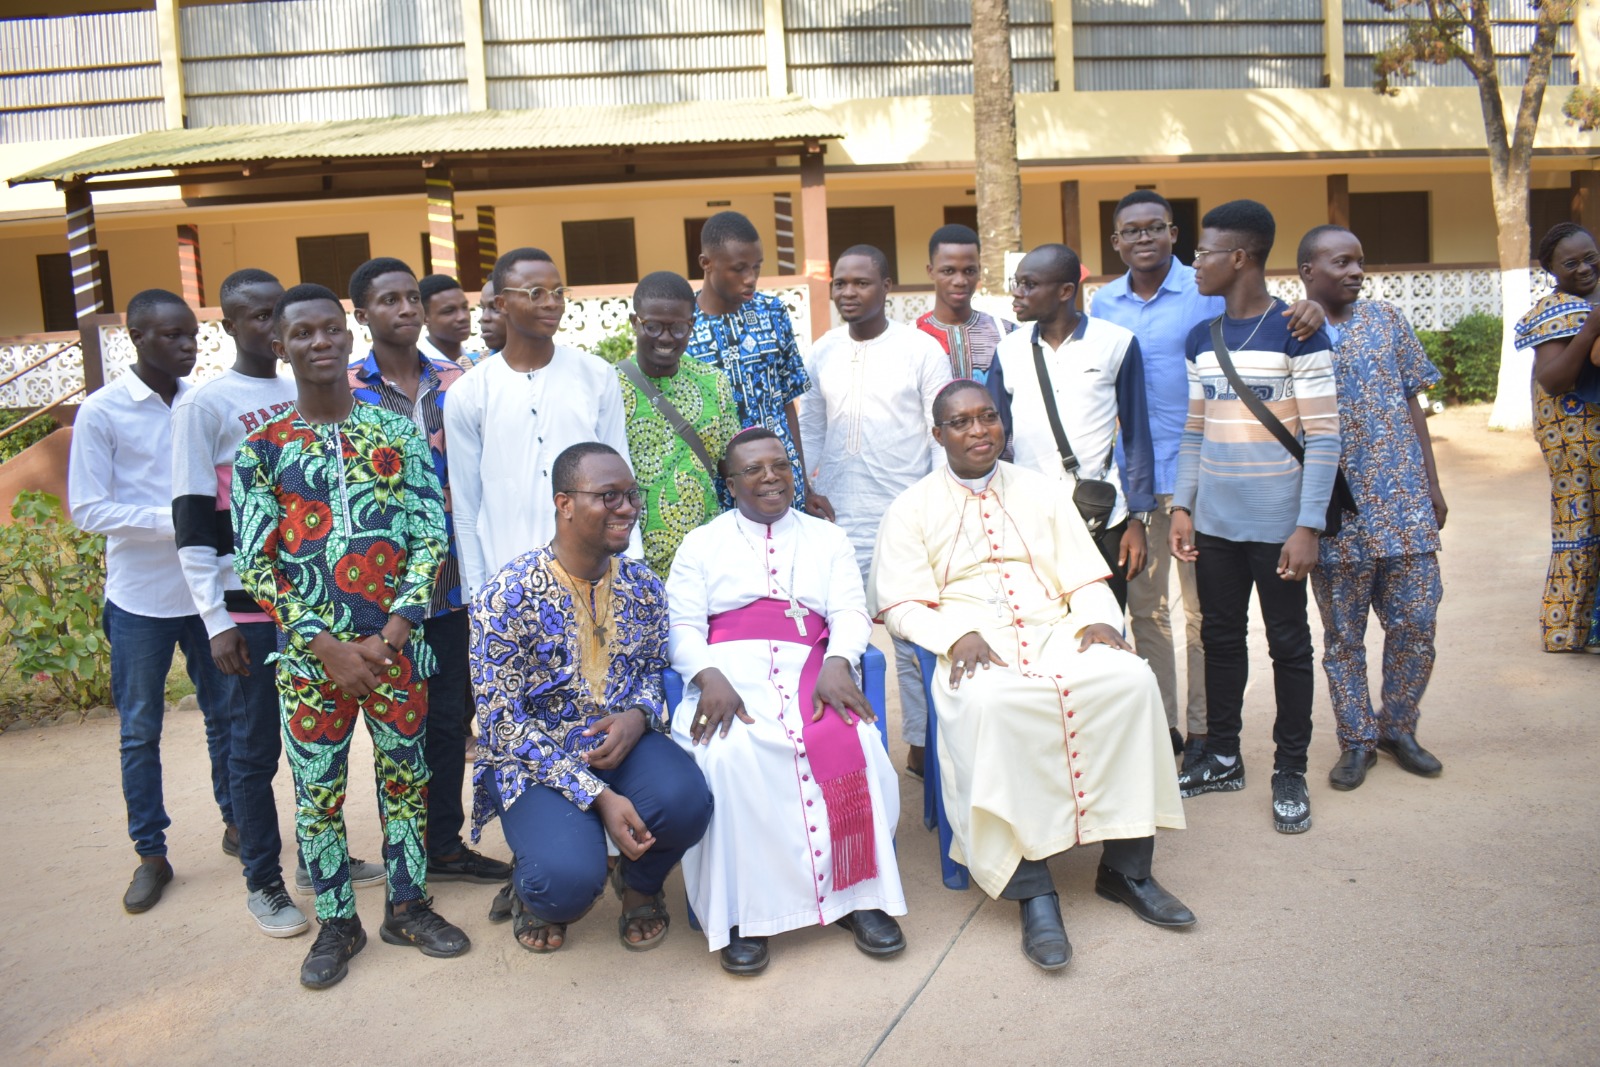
329,959
1177,740
877,934
144,892
1145,896
468,866
419,926
1410,755
745,957
1351,770
1044,935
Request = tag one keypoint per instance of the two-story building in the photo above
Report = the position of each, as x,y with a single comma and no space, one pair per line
170,142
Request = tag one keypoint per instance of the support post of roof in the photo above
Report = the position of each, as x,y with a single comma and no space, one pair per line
1339,200
488,242
783,225
88,287
814,232
1061,41
472,42
1071,218
442,221
777,51
169,44
190,280
1333,44
1585,200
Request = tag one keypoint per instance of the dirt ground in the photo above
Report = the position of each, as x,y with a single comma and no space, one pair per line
1450,921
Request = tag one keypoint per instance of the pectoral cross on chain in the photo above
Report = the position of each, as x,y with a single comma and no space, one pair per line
999,603
798,614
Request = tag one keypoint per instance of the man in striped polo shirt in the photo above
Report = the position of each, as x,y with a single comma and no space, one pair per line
1246,511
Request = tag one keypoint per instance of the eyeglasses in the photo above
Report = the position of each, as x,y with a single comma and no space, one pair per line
539,293
612,498
1213,252
1155,229
1025,287
760,469
1592,260
985,419
653,329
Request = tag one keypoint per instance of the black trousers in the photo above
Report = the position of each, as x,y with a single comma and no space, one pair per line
1110,542
1224,575
1126,855
444,746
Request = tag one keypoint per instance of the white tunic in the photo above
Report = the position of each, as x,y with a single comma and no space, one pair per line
505,429
867,422
1059,747
765,863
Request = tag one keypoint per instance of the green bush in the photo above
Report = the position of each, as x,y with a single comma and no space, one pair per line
1467,355
52,591
35,431
615,346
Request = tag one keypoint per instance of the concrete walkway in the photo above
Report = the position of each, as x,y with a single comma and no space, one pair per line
1449,921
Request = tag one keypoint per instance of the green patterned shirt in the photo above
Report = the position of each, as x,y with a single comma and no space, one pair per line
679,493
338,526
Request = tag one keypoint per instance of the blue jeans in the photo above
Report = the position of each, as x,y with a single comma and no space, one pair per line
254,747
444,746
560,851
141,656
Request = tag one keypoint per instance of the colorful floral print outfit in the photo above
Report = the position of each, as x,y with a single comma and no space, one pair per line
337,527
1567,428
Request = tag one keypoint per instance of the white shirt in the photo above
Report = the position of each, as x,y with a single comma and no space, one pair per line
866,423
1083,377
506,428
119,483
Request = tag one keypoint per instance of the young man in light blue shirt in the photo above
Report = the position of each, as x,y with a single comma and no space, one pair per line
1158,301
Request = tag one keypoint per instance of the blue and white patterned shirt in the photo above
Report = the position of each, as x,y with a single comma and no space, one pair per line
756,348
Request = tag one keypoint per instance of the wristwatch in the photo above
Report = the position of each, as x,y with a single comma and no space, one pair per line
1141,517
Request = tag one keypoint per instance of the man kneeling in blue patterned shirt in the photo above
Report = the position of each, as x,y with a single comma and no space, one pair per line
568,645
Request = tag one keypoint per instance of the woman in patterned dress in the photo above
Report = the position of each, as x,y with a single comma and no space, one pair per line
1565,339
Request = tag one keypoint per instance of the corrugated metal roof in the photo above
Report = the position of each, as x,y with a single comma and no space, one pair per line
786,118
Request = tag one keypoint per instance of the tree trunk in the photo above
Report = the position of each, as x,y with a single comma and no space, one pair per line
994,116
1513,398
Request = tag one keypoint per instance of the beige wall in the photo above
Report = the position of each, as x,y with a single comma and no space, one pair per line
142,244
141,258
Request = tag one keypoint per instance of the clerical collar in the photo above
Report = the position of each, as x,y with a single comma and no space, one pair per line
979,484
776,526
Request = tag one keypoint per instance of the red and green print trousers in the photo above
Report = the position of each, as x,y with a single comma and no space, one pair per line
318,719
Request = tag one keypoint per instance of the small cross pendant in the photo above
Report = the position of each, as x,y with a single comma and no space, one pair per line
798,614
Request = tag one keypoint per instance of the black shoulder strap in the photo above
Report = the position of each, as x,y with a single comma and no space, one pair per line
1250,399
674,417
1047,393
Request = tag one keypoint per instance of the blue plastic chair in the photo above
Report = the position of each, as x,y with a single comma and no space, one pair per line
933,817
872,684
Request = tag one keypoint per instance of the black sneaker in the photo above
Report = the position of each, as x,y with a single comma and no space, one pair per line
1208,775
329,959
468,866
419,926
1194,750
1291,803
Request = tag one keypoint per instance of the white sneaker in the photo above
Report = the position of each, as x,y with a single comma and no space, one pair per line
362,874
276,913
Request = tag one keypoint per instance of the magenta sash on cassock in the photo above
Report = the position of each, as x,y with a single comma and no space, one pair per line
832,745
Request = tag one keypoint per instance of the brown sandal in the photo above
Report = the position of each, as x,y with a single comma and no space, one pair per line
524,922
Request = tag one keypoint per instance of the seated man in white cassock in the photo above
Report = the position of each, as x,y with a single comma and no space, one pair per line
1051,732
768,619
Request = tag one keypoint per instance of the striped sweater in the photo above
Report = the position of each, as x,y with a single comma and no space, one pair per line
1236,479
